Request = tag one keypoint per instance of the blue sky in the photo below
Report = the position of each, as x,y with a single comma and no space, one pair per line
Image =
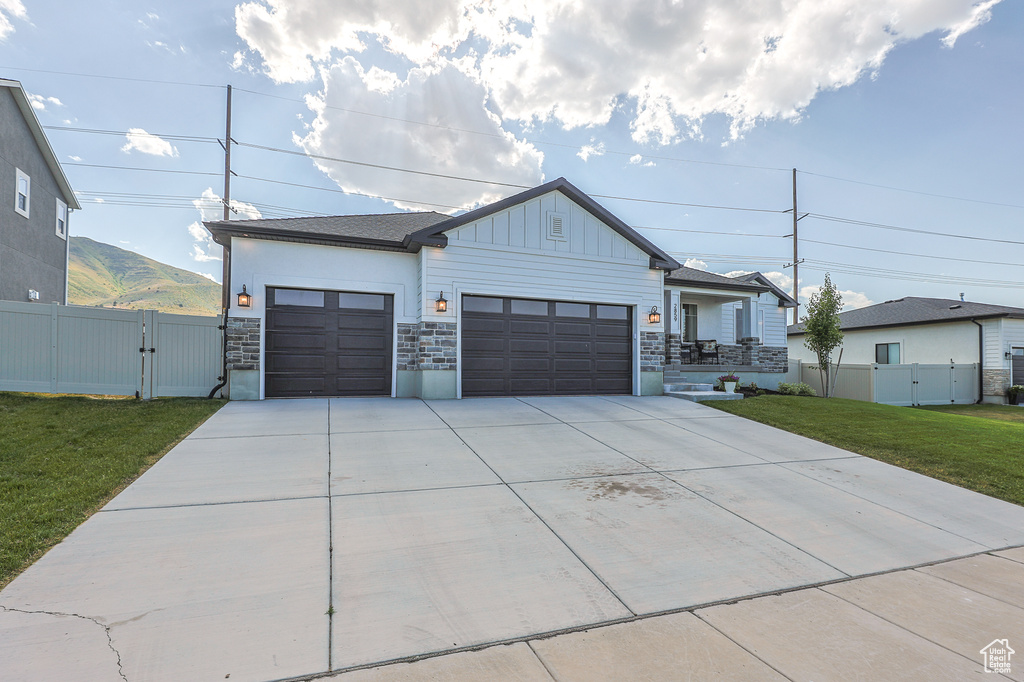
702,103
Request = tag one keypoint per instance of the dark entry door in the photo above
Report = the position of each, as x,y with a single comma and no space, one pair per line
328,343
529,347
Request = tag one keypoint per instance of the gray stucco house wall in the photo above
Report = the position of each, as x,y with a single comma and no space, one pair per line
33,256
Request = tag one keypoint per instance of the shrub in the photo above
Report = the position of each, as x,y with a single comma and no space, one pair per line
1015,393
796,389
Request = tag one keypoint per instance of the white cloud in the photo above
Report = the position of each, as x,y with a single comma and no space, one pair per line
211,207
588,150
851,299
140,140
122,241
980,14
209,277
8,9
447,99
39,102
638,160
667,66
696,264
75,158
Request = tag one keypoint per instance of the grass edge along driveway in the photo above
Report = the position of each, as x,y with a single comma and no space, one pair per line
63,457
984,455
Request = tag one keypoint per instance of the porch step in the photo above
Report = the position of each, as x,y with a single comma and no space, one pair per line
696,396
683,386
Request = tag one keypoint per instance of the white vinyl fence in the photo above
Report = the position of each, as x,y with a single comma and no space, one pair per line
74,349
911,384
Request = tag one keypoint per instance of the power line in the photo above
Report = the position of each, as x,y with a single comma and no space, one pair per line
915,255
883,226
347,192
911,191
911,276
714,232
122,133
114,78
134,168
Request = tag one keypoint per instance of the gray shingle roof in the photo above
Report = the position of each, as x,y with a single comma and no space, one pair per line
389,227
685,274
914,310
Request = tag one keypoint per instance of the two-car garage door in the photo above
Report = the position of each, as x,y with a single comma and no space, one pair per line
330,343
516,346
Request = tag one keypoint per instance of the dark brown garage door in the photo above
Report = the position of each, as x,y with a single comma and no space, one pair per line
328,343
526,347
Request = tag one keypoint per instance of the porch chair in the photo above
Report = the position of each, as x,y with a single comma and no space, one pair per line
687,354
708,350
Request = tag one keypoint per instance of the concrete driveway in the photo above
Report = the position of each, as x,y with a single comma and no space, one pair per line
292,538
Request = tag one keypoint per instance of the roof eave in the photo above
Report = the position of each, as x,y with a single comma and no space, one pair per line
891,325
221,230
750,288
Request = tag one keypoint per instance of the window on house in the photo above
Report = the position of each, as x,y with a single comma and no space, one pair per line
887,353
62,220
23,186
689,331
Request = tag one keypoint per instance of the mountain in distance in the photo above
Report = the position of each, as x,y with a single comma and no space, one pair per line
103,275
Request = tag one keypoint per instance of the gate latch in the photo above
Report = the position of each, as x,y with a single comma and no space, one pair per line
151,350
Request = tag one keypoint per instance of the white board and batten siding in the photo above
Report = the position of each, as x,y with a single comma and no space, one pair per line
511,253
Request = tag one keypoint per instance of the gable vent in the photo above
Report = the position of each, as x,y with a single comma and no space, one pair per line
557,226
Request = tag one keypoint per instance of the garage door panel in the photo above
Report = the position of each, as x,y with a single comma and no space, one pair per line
483,364
277,362
540,328
329,351
279,319
486,345
573,329
290,385
529,345
530,364
489,325
293,341
578,348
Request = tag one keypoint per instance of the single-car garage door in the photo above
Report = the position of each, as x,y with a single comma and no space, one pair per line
328,343
514,346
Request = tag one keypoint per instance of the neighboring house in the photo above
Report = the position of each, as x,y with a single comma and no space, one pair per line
745,315
35,202
933,331
545,292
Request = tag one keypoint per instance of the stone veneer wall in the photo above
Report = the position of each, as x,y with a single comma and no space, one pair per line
994,382
408,352
437,349
673,349
652,351
243,340
774,358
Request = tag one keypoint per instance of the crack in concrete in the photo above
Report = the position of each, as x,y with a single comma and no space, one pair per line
106,630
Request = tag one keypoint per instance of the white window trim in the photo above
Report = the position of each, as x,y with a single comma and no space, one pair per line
19,174
62,209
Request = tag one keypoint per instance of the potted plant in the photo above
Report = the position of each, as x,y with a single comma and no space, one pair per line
729,382
1016,394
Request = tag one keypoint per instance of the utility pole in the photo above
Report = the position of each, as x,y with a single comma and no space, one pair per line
796,255
225,252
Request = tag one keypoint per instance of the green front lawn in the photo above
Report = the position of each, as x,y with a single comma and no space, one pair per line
985,455
62,458
1006,413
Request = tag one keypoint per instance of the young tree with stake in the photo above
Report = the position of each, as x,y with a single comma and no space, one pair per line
823,332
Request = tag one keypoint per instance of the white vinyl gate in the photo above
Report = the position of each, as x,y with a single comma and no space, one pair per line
909,384
75,349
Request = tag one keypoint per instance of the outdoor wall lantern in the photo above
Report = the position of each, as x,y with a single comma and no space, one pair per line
244,299
654,317
441,305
